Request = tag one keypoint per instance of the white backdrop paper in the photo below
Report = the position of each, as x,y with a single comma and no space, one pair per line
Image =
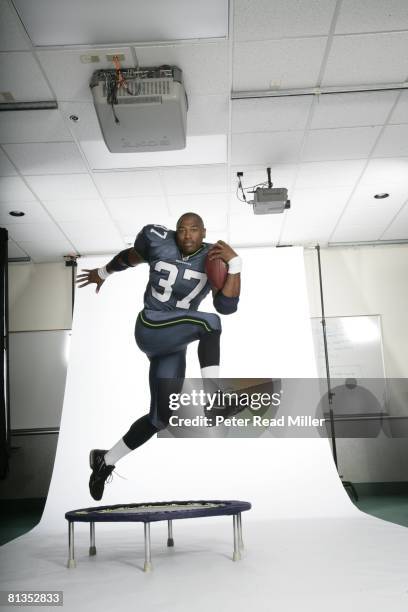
107,389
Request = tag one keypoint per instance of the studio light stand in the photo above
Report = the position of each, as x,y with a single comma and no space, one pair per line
330,394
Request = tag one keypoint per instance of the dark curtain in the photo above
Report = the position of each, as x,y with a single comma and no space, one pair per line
4,378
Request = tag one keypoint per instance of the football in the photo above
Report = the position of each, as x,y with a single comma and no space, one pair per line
216,271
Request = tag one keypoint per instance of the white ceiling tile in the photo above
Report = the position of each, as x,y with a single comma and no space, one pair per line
215,223
240,209
393,142
400,112
6,167
126,184
270,114
210,179
398,229
277,64
42,251
204,149
341,143
131,226
139,207
313,214
34,212
93,237
77,210
363,198
86,128
207,115
352,109
46,157
213,236
69,76
99,22
212,208
372,16
282,175
367,59
13,189
61,187
269,148
366,218
357,233
12,35
33,126
329,174
14,250
30,232
262,19
87,228
21,76
256,230
386,171
204,64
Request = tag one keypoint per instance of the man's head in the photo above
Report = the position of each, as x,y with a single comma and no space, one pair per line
190,233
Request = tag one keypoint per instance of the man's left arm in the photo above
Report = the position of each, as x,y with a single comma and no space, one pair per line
226,300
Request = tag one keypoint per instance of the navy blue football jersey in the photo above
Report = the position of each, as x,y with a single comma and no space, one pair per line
175,281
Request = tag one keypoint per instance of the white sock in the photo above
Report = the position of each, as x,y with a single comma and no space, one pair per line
211,371
116,452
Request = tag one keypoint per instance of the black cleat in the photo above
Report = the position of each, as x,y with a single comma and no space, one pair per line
100,472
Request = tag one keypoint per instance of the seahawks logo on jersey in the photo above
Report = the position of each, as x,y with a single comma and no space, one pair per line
175,281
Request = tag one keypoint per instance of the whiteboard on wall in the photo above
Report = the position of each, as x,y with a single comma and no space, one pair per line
354,346
38,367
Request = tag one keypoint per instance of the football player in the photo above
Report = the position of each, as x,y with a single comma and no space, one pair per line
169,320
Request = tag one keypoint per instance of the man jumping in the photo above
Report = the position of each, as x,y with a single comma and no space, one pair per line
169,320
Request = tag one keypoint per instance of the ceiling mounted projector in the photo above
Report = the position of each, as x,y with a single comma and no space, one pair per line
270,201
143,109
267,199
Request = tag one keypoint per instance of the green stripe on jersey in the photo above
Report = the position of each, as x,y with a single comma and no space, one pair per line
168,323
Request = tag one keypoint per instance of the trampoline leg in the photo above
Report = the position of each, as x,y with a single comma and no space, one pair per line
240,540
237,555
71,561
92,547
170,541
148,560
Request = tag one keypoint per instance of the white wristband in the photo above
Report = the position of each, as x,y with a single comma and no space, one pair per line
235,265
103,273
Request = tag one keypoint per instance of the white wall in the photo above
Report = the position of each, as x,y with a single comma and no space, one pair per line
362,281
39,297
365,281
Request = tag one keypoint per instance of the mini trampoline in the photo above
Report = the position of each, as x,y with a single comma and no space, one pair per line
147,513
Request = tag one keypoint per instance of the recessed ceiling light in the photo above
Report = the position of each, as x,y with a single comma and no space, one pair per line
16,213
381,196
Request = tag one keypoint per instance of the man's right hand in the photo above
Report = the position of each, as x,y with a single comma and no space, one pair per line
90,277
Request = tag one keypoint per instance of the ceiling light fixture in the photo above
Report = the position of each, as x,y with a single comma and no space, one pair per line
16,213
28,106
381,196
316,91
